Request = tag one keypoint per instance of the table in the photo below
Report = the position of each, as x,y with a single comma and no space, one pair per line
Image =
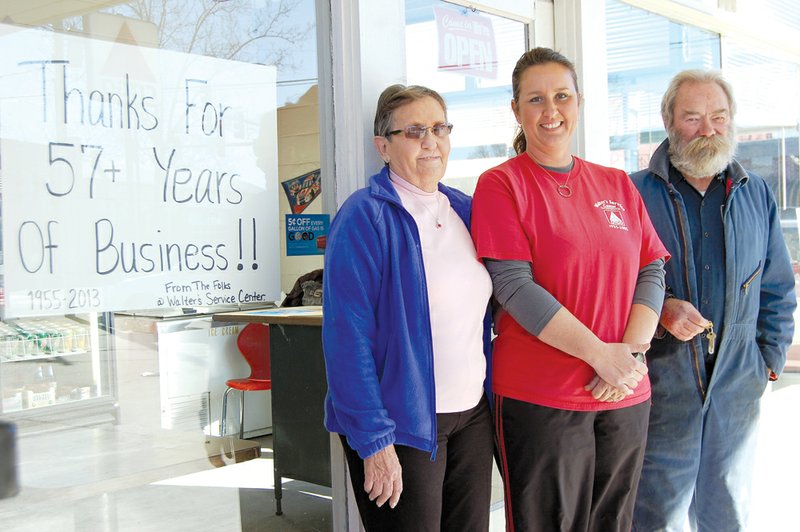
303,449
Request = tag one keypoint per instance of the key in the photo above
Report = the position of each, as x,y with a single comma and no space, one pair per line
711,337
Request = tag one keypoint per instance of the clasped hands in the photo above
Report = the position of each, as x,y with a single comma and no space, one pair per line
618,373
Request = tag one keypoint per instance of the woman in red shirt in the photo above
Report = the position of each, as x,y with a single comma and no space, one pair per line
577,269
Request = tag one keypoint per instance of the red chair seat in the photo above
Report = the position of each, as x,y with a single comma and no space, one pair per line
249,385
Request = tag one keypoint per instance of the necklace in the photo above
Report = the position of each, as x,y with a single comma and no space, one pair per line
434,216
413,192
564,190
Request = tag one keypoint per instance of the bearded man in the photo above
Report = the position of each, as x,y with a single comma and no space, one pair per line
727,318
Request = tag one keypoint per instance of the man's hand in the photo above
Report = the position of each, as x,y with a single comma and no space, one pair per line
383,477
682,319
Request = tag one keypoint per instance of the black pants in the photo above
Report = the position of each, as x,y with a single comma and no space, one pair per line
567,470
451,493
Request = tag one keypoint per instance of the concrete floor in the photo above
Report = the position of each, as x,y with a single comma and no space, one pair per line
109,478
135,476
121,478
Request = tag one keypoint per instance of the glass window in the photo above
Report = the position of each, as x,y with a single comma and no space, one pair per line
142,149
264,33
767,126
707,5
781,16
644,51
468,57
767,133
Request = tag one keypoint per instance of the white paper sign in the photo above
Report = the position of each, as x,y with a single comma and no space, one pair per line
134,177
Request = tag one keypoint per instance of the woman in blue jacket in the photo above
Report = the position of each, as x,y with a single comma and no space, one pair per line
405,332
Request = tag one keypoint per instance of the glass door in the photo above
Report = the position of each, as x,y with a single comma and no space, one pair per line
467,55
56,367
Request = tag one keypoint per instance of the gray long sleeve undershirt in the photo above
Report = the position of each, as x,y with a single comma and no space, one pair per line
533,307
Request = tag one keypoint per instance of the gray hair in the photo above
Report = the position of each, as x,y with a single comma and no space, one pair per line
693,76
396,96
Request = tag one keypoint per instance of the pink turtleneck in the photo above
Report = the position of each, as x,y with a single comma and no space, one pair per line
459,289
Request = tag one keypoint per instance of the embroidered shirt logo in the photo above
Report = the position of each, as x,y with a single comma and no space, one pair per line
613,212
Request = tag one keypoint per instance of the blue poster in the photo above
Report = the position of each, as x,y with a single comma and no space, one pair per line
306,234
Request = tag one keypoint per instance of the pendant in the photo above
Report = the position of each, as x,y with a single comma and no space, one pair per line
564,191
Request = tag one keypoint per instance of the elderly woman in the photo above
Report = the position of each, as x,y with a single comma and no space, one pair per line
404,332
578,270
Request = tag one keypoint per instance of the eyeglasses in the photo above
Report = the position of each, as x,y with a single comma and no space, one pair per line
418,132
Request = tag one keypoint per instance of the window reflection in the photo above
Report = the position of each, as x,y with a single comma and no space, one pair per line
781,16
768,139
472,70
768,134
95,396
644,51
266,33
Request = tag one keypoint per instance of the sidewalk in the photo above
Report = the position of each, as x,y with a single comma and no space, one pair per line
775,502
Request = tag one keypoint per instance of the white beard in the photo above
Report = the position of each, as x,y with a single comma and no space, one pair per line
703,156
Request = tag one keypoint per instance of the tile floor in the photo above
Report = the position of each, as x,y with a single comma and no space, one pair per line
123,478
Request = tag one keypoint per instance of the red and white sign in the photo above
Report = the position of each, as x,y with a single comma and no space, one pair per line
466,43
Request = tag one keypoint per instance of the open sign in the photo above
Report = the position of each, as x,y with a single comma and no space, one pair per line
466,43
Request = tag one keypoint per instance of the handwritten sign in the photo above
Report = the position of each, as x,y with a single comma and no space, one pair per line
466,43
134,177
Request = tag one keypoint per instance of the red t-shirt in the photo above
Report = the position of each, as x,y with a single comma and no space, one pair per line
585,250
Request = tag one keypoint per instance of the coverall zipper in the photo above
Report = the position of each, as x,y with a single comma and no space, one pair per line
749,281
692,345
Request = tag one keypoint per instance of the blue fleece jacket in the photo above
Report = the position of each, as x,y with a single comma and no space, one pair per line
376,331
